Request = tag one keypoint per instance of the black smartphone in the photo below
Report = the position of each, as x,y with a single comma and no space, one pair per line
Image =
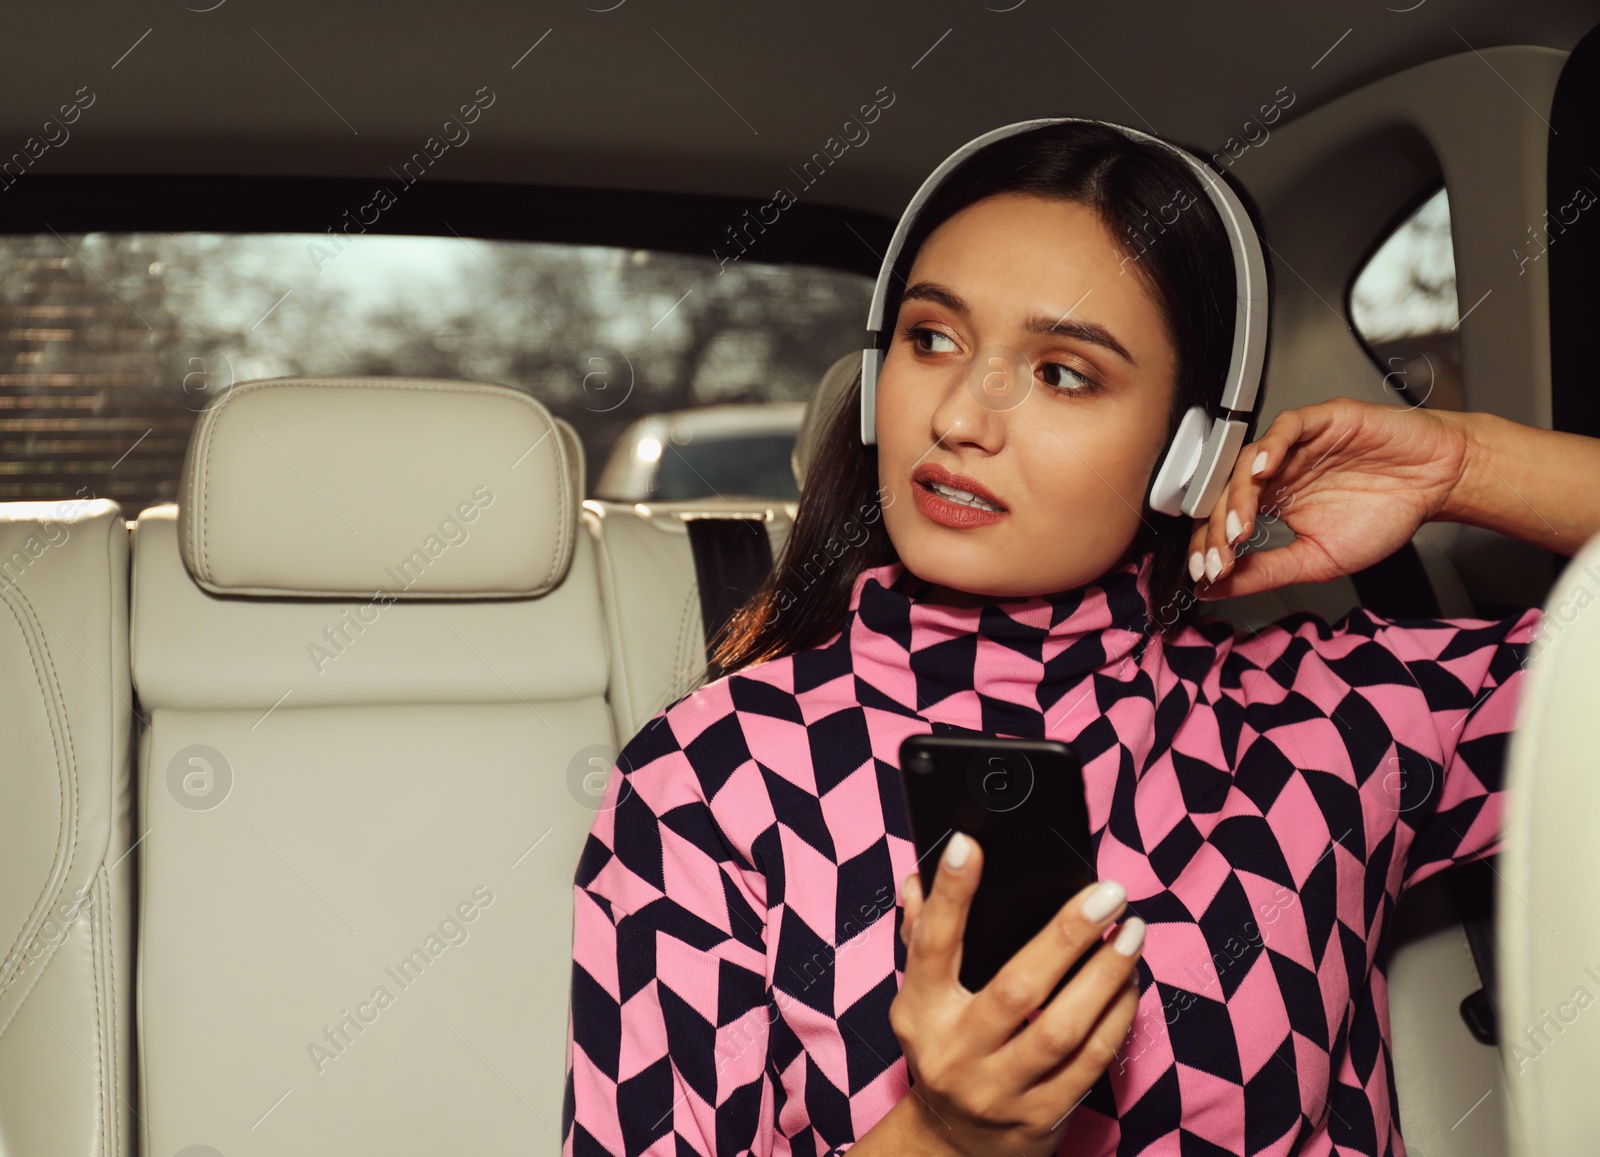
1023,801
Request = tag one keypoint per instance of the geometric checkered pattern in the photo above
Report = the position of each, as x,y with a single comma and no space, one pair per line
1263,798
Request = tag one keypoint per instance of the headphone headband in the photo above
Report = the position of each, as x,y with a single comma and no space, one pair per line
1202,453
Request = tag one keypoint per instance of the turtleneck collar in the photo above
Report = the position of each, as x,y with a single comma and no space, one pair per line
1001,667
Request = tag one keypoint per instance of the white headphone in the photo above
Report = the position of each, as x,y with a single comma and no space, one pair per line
1197,464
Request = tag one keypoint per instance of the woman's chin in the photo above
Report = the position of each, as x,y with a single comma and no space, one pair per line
961,581
973,569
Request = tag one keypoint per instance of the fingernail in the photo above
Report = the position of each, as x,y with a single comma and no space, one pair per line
1197,565
1259,464
1233,527
957,851
1106,898
1129,937
1213,564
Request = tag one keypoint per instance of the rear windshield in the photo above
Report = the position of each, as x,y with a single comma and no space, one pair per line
113,342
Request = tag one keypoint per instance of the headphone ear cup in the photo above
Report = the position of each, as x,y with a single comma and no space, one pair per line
871,360
1177,467
1217,459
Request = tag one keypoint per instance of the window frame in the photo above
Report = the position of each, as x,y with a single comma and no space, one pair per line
830,237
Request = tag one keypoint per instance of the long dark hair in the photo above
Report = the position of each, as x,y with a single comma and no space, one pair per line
1184,263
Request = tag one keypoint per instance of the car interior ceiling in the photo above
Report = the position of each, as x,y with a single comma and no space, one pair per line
168,969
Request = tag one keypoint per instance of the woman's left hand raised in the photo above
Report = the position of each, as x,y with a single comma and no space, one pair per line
1353,480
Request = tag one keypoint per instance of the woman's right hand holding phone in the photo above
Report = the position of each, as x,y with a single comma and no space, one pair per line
980,1086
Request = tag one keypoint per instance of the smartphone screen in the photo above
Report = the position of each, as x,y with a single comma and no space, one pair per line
1023,801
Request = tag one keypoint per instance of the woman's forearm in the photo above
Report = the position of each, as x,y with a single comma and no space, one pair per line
1541,486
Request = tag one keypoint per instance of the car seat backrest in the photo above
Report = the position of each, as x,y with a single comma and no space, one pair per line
66,710
370,647
1548,935
652,598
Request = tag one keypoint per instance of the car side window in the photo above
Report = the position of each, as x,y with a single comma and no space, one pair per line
1402,303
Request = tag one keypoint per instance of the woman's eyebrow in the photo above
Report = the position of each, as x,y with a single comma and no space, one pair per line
934,292
1087,331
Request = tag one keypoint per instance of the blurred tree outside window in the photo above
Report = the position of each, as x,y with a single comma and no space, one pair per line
1403,305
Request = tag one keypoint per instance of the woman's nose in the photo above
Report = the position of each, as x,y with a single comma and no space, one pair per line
995,382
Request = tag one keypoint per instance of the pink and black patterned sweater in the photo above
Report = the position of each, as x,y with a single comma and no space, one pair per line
1263,798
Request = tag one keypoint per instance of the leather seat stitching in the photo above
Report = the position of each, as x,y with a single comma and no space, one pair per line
11,596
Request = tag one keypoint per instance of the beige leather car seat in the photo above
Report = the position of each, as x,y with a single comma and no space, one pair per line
369,645
66,710
1548,934
652,597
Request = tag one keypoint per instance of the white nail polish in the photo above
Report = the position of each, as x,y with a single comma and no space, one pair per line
1106,898
1129,936
1197,565
1233,527
1213,564
957,851
1259,464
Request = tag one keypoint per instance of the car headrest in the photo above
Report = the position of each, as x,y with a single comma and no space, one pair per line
819,412
354,487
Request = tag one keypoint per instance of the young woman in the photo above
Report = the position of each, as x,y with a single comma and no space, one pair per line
747,977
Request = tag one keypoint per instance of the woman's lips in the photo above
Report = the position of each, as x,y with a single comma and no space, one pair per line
948,512
952,514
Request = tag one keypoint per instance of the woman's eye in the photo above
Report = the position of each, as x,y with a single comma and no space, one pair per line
925,339
1065,378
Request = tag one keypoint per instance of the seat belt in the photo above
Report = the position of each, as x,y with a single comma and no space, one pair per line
732,558
1397,587
1472,885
